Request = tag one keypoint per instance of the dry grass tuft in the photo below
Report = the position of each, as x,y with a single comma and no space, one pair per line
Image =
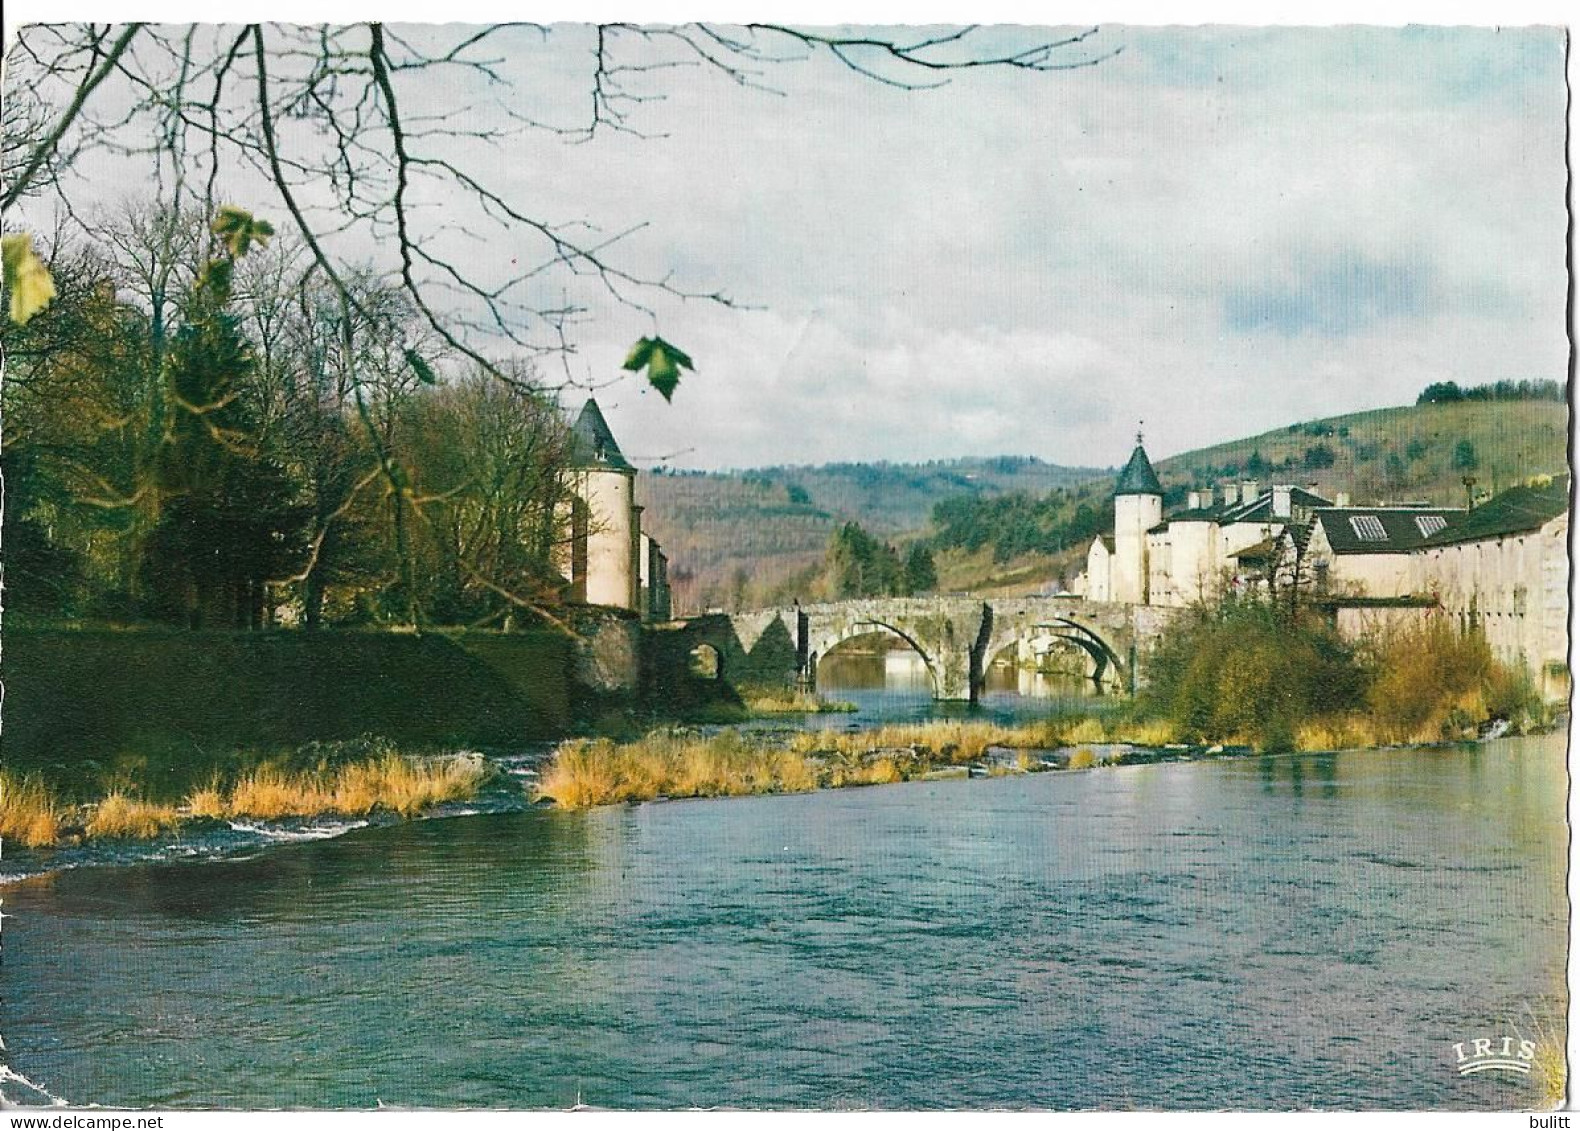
119,816
669,764
29,812
788,701
1087,730
1147,732
390,782
1082,759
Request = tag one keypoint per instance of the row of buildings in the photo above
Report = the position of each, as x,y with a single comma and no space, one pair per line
1502,566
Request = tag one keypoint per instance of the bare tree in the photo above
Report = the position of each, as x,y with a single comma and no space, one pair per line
340,124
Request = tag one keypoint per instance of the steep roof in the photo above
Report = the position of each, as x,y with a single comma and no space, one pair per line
1518,510
1138,478
1382,530
592,444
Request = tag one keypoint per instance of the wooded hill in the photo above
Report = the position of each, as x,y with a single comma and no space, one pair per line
1016,524
762,534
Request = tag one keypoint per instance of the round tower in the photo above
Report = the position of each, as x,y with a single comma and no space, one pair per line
1138,507
604,531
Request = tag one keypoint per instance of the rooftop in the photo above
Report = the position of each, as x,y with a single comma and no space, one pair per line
1518,510
1138,478
1382,530
592,444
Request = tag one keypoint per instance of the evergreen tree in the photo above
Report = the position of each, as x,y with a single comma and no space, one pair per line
228,522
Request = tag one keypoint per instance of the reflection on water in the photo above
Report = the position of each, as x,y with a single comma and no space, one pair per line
895,686
1309,931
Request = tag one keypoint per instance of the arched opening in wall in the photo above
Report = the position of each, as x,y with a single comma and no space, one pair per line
1044,665
706,663
877,660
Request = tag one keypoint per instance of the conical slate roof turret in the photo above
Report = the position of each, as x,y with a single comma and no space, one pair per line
1138,478
592,444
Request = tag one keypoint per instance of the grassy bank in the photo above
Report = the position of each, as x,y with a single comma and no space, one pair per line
790,701
672,763
35,815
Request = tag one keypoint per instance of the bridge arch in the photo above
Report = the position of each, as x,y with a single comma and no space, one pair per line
1105,658
820,644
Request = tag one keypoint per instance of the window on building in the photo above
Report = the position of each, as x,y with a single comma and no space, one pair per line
1368,528
1429,524
1519,600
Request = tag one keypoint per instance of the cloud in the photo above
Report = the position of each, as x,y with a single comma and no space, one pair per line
1332,295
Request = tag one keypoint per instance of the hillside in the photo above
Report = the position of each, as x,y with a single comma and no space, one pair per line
1393,454
750,533
760,536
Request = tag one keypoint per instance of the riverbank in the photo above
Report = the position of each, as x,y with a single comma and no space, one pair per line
35,815
681,763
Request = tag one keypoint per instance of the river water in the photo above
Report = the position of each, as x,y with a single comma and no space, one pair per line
1291,932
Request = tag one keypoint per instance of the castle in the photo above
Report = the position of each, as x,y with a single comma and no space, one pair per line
1501,567
607,559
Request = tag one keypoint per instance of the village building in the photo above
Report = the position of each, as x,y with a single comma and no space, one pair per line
1367,551
1501,567
607,559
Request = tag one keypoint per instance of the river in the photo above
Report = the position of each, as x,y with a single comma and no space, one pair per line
1284,932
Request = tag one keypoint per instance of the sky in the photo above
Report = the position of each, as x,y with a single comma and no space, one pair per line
1217,231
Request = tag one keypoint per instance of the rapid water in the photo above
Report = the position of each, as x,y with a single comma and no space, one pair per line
1309,931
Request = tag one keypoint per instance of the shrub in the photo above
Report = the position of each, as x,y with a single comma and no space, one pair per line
1248,672
1431,681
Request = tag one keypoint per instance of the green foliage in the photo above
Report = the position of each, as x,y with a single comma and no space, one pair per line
229,522
662,361
1247,671
921,574
1448,392
420,367
1017,523
1465,456
239,230
1318,457
861,566
27,280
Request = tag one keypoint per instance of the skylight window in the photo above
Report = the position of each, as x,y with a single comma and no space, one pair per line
1368,528
1429,524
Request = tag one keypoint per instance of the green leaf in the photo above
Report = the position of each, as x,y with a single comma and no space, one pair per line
240,230
29,281
637,358
662,361
420,367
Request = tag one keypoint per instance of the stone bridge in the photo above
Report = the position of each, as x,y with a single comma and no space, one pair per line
957,637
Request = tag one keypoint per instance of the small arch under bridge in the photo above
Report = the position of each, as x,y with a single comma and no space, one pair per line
957,637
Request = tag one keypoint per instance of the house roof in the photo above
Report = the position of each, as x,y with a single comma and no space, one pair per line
592,444
1258,509
1138,478
1108,542
1381,530
1518,510
1263,551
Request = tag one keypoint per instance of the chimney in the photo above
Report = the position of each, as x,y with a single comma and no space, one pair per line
1341,499
1231,494
1248,491
1281,500
1194,500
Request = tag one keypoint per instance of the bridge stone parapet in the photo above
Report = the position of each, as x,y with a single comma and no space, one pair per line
956,636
